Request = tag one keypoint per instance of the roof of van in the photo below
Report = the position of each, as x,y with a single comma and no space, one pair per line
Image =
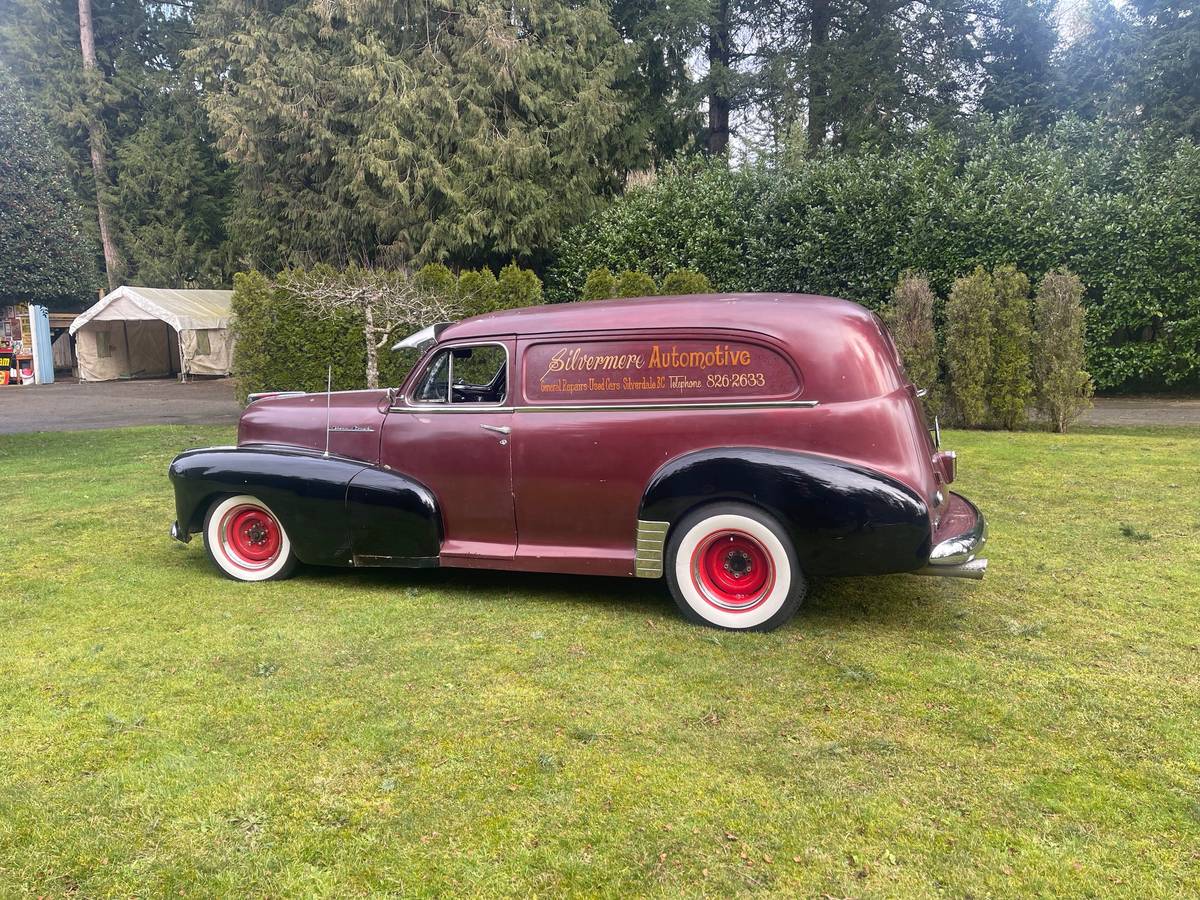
783,316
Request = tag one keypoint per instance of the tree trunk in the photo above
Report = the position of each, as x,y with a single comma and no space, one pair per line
818,74
718,80
113,265
372,346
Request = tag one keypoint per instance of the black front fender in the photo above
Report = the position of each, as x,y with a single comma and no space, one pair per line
336,511
843,519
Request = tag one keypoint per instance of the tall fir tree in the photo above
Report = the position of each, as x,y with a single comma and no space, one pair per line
1095,65
1019,75
394,131
1165,70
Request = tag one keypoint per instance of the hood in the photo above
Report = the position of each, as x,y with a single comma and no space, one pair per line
354,418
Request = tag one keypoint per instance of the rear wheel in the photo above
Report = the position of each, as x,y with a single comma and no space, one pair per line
246,541
730,565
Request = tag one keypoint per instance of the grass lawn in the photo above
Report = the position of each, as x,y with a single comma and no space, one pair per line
356,732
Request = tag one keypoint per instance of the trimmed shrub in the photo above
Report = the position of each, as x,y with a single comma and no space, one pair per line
684,281
969,326
477,290
1062,388
437,279
517,287
600,285
1008,385
281,344
909,316
635,284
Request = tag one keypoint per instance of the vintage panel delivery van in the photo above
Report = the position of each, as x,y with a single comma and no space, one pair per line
735,444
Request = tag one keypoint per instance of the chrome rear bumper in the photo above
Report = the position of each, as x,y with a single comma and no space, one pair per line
957,556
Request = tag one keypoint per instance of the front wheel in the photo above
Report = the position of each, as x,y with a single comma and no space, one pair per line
732,566
245,540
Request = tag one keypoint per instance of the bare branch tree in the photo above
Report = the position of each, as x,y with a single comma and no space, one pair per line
389,303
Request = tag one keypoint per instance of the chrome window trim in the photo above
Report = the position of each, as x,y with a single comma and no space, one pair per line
614,407
448,405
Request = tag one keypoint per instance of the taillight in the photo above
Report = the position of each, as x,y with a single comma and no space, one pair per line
945,462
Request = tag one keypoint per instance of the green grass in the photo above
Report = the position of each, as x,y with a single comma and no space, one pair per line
349,733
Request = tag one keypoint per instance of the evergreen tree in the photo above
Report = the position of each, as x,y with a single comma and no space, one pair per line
172,198
867,72
910,318
1009,387
470,133
970,332
1095,65
1063,388
663,115
1165,71
136,84
45,254
1018,70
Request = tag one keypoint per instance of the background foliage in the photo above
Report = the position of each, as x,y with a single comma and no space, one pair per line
1120,209
46,256
1062,386
848,141
909,317
282,344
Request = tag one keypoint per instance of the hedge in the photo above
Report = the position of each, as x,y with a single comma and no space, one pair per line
1121,211
280,344
601,284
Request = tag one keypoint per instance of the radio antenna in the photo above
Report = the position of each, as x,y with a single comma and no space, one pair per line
328,403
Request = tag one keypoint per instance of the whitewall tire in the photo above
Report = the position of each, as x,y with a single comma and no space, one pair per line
246,541
731,565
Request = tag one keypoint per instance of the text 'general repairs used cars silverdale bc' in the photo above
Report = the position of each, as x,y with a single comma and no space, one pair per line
735,444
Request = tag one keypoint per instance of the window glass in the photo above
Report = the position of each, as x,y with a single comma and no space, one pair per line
464,375
103,345
203,342
434,384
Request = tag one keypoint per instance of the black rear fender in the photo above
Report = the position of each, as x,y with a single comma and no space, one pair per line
843,519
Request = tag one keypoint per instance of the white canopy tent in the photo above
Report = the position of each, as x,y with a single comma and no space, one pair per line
137,332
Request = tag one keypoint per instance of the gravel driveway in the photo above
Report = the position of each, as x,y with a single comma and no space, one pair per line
71,406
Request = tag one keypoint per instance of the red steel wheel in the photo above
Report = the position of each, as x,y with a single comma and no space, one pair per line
250,536
733,570
246,541
732,566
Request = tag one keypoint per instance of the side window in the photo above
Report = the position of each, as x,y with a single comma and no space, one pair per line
464,375
203,343
103,346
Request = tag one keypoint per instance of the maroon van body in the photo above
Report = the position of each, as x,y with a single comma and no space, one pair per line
603,427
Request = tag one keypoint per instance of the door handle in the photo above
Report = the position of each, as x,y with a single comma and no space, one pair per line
499,429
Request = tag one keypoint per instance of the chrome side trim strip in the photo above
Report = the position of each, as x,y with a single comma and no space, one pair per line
610,407
659,407
648,557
